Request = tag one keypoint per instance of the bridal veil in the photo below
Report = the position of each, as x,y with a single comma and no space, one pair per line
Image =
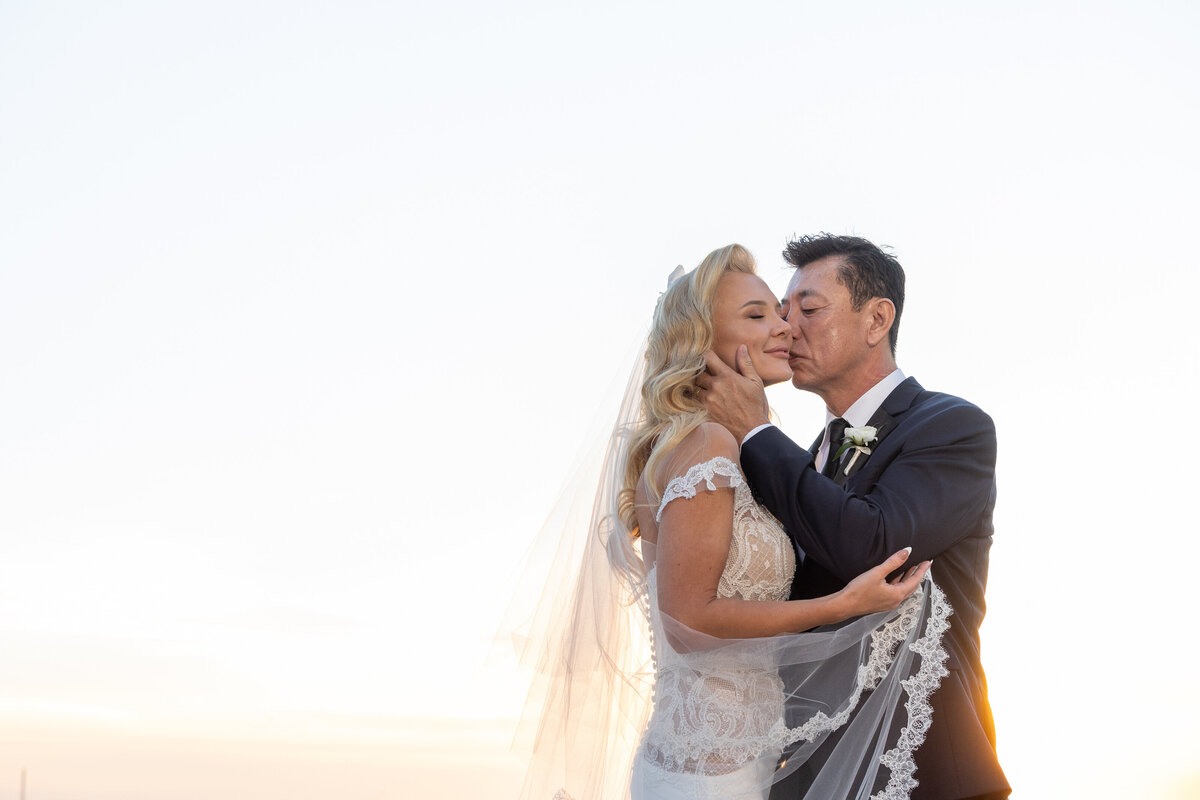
860,688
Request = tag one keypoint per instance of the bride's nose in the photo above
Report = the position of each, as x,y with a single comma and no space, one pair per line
782,326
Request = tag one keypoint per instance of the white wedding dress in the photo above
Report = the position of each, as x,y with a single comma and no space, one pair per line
627,702
717,711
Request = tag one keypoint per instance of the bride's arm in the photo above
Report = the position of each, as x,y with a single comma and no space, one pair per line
693,545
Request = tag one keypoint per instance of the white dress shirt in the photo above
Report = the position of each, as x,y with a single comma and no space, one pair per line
860,412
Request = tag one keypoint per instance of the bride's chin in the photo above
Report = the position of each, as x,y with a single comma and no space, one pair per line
771,380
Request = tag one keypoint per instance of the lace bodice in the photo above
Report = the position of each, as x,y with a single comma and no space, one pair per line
761,559
719,705
714,709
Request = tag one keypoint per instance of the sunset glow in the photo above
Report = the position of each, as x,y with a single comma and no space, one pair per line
311,314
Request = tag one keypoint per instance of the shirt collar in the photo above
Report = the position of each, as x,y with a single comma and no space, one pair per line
865,407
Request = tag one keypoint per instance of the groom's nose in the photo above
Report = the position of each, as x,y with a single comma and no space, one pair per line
794,324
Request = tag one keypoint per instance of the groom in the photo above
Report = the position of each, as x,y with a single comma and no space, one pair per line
924,478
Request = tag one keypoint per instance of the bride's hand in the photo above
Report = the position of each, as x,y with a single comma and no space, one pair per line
871,591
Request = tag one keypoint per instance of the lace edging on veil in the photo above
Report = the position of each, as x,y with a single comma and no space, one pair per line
899,760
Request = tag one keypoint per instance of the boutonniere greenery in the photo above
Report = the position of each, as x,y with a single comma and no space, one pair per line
859,440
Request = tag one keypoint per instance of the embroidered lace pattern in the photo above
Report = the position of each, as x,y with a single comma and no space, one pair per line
714,711
711,719
761,559
706,471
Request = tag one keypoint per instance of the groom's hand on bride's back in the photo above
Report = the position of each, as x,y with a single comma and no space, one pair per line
734,398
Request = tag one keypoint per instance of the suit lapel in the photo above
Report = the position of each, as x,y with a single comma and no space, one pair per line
882,422
885,419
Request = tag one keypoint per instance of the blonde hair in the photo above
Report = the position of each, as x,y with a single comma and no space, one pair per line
680,335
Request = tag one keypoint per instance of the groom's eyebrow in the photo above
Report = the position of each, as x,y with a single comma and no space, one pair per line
803,294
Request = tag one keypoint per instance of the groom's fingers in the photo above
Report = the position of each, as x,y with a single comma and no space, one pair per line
714,365
745,364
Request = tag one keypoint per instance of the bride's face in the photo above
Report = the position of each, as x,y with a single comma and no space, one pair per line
745,312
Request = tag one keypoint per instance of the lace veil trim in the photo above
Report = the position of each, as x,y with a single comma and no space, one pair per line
899,760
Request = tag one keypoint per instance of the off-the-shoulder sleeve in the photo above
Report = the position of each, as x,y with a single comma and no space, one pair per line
716,473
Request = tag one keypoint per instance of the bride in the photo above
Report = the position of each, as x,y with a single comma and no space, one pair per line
677,667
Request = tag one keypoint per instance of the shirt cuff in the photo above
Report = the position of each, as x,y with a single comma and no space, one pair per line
754,431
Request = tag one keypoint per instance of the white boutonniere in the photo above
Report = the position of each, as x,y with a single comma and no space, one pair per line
857,439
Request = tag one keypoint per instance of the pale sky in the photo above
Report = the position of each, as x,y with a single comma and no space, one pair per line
310,312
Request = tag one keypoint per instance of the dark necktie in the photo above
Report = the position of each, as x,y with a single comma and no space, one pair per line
837,432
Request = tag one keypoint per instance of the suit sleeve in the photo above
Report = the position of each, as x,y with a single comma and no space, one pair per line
931,494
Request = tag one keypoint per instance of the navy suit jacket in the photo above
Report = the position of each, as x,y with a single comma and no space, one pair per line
929,483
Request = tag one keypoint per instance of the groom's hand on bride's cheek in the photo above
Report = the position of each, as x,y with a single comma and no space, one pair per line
734,398
753,386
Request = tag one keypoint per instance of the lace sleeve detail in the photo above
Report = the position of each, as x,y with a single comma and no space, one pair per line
707,471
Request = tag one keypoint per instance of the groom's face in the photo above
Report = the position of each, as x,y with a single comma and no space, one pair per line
829,340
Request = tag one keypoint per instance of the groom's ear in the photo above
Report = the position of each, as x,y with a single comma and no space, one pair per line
881,313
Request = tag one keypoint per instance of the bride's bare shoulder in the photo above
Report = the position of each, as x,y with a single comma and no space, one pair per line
711,440
704,443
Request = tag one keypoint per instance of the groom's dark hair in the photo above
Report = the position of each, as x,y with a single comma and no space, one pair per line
866,270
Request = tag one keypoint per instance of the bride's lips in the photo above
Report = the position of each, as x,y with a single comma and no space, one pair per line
779,352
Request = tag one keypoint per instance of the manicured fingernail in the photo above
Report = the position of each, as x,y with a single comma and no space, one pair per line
908,550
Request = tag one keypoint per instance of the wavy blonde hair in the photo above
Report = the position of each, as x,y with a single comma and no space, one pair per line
680,335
